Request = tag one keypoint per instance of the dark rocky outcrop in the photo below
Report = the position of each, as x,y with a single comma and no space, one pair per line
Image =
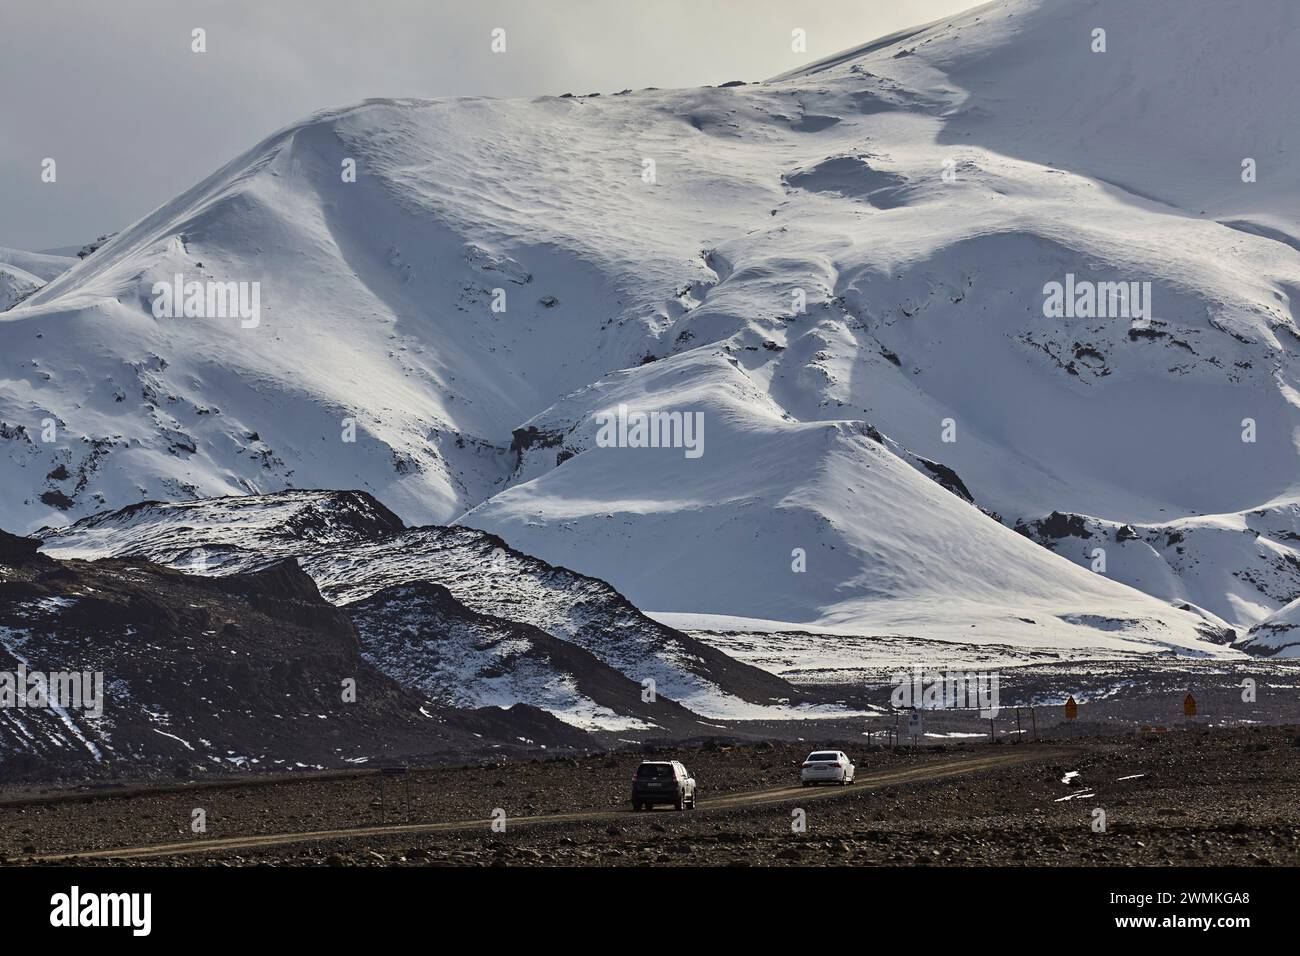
250,671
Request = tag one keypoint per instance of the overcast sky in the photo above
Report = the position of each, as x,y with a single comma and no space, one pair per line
111,90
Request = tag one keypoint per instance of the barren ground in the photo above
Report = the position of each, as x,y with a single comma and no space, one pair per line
1189,796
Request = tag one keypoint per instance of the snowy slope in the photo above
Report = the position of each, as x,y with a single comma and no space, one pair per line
422,637
1237,567
888,548
22,273
40,264
1278,634
677,292
15,285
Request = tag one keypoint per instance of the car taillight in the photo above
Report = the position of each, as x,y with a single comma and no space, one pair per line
806,765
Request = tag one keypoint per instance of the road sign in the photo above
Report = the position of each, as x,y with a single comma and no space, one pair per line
914,724
1071,709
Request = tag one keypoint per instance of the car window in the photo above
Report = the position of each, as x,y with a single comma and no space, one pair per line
823,756
654,771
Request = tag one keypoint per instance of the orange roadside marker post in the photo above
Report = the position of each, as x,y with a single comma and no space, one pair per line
1071,709
1189,705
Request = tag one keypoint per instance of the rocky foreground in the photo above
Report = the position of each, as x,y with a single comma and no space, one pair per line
1186,797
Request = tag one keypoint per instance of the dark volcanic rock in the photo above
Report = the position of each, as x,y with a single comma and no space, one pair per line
247,671
15,550
947,478
1056,526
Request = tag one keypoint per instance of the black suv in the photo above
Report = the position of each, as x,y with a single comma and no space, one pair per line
663,781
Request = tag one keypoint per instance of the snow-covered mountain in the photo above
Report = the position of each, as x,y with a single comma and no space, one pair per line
43,266
1278,634
22,273
16,285
843,275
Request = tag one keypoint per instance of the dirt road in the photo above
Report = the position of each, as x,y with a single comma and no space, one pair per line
1200,796
924,773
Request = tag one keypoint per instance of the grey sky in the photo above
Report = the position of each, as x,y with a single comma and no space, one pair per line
111,90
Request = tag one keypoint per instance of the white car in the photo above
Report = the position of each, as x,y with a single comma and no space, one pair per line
826,766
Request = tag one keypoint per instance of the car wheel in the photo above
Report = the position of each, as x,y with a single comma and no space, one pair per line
680,804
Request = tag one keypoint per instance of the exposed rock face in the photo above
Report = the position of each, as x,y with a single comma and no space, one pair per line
15,550
421,636
249,671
